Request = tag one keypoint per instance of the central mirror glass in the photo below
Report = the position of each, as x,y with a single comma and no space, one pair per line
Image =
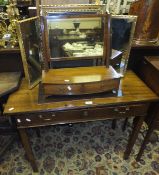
73,38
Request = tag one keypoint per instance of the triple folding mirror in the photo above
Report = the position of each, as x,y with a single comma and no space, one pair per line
74,41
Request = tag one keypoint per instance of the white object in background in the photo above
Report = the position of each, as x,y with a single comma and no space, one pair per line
117,10
118,6
124,6
108,5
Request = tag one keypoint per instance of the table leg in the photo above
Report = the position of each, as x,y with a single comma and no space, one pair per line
38,132
27,147
114,124
125,124
133,135
146,140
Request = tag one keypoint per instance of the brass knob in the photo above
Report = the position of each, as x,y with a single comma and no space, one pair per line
53,115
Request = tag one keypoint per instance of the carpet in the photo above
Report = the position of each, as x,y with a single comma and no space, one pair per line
91,148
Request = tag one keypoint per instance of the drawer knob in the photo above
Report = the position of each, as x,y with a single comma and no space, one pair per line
53,115
85,113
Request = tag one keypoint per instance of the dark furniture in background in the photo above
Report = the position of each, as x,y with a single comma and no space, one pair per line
10,60
149,73
138,52
9,82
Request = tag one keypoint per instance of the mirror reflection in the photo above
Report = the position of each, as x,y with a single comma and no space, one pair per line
28,33
75,37
123,28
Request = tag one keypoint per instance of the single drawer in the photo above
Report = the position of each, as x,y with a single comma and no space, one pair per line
81,115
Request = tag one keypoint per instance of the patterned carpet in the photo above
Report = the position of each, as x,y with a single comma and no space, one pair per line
82,149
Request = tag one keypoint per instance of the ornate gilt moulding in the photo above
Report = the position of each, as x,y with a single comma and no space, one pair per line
46,9
44,6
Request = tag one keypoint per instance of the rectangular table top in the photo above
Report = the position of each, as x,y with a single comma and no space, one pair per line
134,91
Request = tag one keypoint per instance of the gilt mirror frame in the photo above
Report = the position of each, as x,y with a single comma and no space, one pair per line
92,6
126,53
106,38
25,51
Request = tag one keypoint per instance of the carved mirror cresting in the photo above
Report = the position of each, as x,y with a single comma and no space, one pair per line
77,37
28,35
123,27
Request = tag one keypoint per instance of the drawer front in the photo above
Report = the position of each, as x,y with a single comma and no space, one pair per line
85,88
81,115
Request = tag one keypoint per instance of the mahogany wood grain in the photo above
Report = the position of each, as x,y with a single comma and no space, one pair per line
83,115
23,105
147,23
137,126
80,80
27,147
134,91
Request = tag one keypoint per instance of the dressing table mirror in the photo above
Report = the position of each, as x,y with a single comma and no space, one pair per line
91,33
123,27
73,37
77,37
28,35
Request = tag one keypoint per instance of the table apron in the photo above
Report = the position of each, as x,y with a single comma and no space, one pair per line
27,120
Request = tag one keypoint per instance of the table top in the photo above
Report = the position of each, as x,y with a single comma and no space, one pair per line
9,82
25,100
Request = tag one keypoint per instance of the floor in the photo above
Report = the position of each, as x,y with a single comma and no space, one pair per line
83,149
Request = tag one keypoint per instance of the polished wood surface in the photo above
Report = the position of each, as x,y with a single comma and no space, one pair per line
23,106
9,82
79,75
80,80
25,100
82,115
